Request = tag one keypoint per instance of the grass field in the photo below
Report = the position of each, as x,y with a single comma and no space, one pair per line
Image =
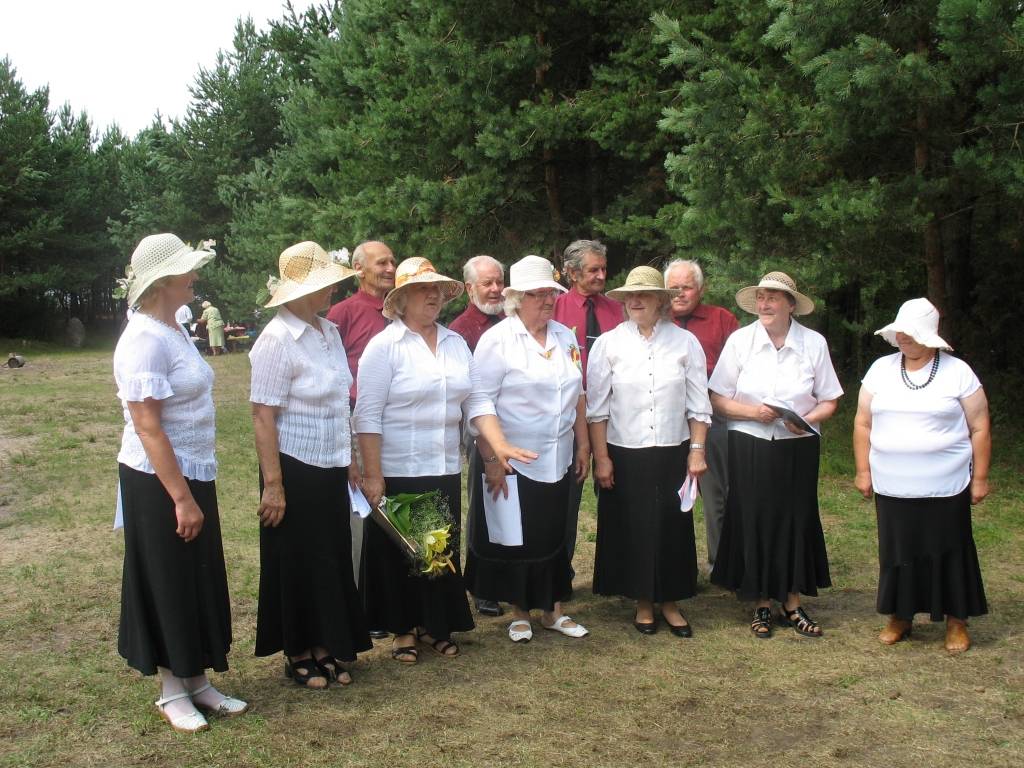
613,699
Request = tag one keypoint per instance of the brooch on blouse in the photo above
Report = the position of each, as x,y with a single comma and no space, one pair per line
574,355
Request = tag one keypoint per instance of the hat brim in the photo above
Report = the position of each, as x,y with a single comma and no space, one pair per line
623,292
289,290
534,285
746,299
182,262
925,338
450,290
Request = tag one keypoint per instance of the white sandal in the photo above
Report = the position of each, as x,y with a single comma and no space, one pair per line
559,626
520,635
192,722
229,707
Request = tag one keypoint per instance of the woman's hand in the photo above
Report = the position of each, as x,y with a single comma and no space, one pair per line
494,479
979,489
582,463
504,452
765,415
604,473
189,517
793,428
862,482
271,509
373,489
696,463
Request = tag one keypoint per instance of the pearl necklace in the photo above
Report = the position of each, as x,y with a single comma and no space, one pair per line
906,379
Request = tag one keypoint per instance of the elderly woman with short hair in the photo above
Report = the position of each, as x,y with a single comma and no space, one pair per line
648,409
175,613
416,382
530,368
922,444
308,604
214,324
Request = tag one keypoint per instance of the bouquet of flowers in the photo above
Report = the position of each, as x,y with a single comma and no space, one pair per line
420,525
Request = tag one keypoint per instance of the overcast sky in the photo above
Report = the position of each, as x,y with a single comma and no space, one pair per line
122,60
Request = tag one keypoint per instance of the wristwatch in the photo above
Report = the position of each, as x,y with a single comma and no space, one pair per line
696,446
491,460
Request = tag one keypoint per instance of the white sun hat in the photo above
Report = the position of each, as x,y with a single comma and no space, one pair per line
418,270
159,256
640,280
919,319
746,298
532,273
305,268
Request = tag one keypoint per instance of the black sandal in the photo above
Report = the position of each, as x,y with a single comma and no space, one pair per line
440,647
800,621
333,670
761,626
304,670
405,650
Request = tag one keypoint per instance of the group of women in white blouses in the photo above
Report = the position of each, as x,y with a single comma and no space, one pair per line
645,416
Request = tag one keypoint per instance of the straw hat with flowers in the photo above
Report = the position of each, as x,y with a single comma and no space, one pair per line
305,268
419,271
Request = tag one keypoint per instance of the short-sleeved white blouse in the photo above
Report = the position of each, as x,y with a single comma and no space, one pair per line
305,375
920,442
751,370
153,360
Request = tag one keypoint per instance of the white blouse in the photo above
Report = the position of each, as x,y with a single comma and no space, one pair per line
415,399
535,390
750,370
637,385
920,442
153,360
305,374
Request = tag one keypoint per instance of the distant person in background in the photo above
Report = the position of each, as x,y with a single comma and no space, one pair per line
588,313
922,444
485,279
184,318
175,612
214,327
712,326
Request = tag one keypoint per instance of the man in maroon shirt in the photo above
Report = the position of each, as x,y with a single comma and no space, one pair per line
588,312
485,279
712,326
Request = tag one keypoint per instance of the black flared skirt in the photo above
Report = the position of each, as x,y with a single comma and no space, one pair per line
395,597
536,574
307,594
772,543
927,559
645,544
175,611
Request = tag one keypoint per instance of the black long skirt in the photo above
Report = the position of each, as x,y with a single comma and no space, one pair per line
772,543
175,611
927,559
398,600
536,574
307,594
645,544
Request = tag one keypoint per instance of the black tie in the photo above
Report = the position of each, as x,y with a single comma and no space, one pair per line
593,329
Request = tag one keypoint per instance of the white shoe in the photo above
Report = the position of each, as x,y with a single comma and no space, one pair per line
228,707
559,626
191,722
520,635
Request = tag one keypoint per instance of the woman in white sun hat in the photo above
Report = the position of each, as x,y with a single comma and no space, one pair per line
922,445
308,604
648,409
530,368
417,381
772,545
175,614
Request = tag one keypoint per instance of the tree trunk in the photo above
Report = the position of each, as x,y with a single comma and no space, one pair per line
933,257
551,186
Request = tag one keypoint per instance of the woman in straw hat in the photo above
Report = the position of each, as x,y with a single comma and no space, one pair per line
214,325
175,615
416,382
922,444
775,384
308,604
648,410
530,368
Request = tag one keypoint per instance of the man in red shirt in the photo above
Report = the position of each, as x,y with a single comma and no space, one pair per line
712,326
588,312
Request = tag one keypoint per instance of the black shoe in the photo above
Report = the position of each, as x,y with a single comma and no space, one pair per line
646,627
489,608
681,631
379,634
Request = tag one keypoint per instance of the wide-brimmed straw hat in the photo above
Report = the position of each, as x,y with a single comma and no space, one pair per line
305,268
746,298
532,273
919,319
640,280
159,256
417,270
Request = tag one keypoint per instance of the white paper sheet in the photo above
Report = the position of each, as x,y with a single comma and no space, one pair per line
118,510
360,505
504,520
688,493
